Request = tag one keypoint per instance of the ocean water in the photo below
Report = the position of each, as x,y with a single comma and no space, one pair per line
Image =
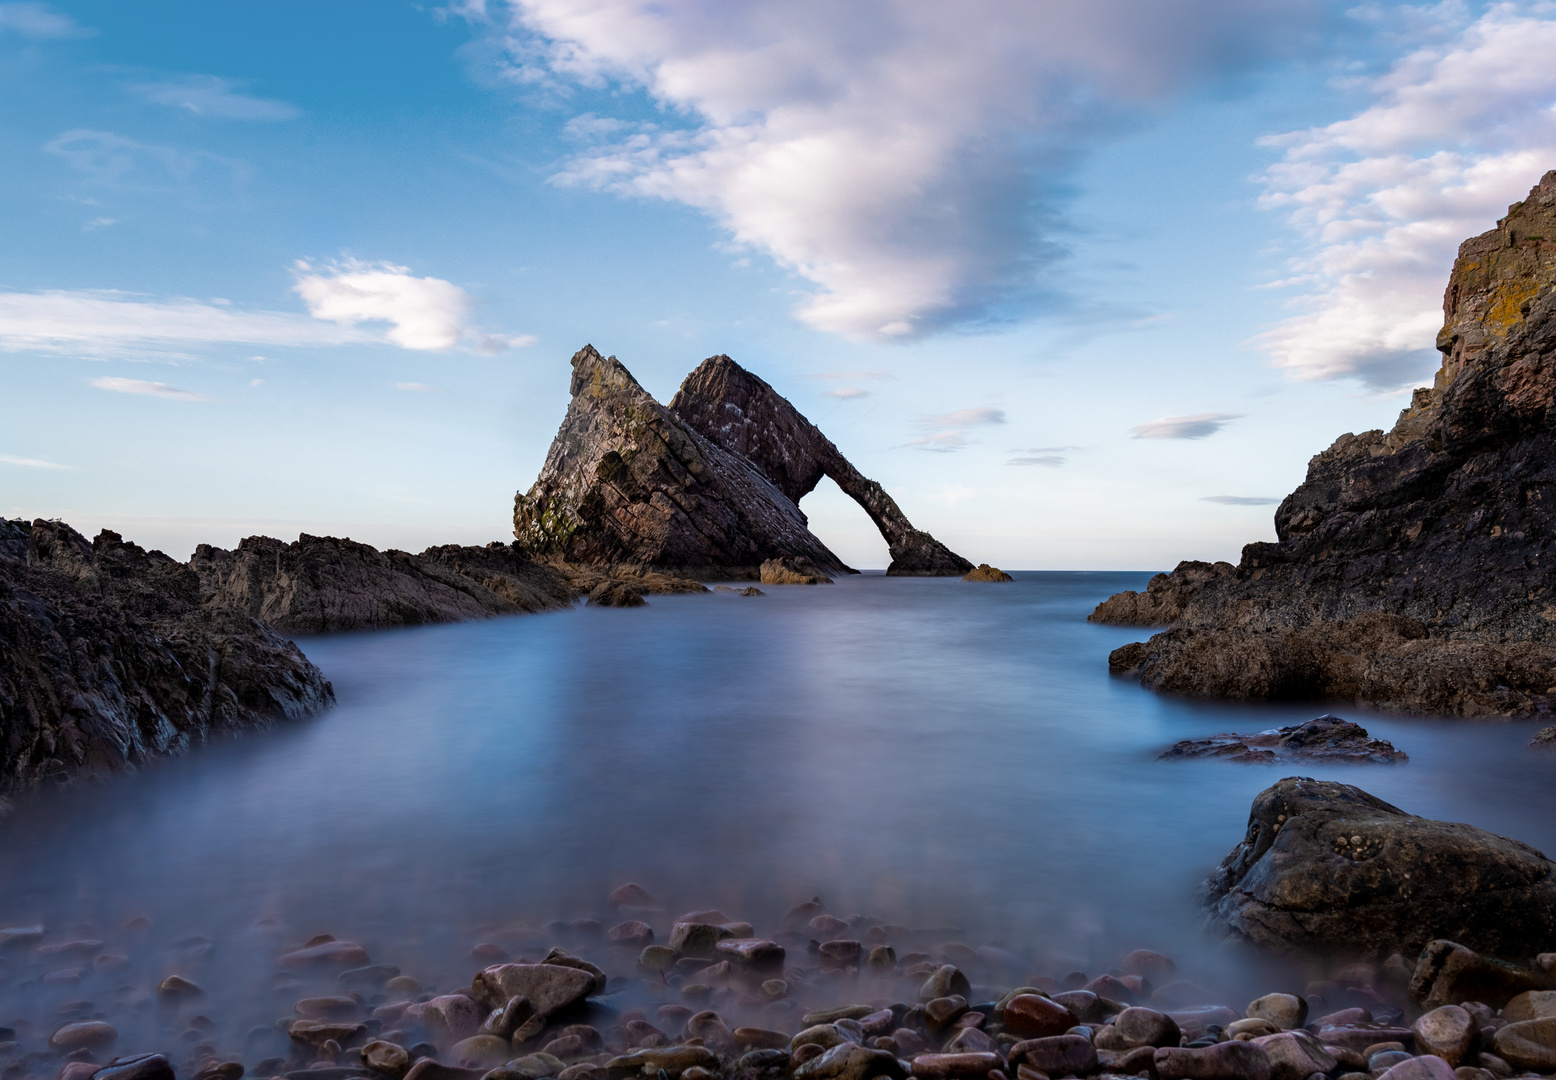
949,757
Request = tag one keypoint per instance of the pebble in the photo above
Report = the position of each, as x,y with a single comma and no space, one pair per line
946,981
1058,1055
1531,1005
1450,1032
1425,1067
1528,1044
1286,1011
947,1066
83,1035
1136,1027
1232,1060
633,933
1028,1016
631,895
851,1062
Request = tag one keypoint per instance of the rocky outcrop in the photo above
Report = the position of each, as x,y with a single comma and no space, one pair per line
740,412
627,483
321,584
1326,867
1413,568
1327,738
108,659
985,572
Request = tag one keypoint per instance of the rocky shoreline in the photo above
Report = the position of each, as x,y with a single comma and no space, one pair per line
1411,569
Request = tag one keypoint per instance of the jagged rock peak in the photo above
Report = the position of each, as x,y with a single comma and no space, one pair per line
627,482
739,411
1414,569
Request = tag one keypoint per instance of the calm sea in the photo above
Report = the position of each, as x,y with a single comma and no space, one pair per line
928,753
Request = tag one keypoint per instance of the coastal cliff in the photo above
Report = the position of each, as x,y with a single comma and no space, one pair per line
708,486
1413,568
108,659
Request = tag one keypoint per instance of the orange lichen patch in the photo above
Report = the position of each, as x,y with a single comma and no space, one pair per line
1506,308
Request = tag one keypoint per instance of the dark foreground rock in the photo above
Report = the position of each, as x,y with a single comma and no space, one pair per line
321,584
1328,868
1327,738
108,658
1412,567
708,487
720,1002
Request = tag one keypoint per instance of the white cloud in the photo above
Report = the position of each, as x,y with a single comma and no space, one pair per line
209,95
942,441
425,313
420,388
1240,500
149,389
967,418
1459,128
849,376
38,21
30,463
109,323
1197,426
898,154
422,314
1038,459
848,393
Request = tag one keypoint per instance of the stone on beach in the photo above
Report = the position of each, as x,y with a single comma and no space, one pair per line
1224,1061
1029,1016
1057,1055
1449,1032
1528,1044
85,1035
549,988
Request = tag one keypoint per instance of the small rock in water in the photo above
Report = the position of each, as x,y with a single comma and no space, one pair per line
1544,739
633,934
985,572
84,1035
752,590
615,594
1327,738
1285,1011
1028,1016
1449,1032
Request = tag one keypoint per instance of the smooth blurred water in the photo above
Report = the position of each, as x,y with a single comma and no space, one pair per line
929,752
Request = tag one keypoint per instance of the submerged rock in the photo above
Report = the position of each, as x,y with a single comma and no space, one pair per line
1544,739
985,572
615,594
321,584
108,659
1326,738
793,572
1410,566
1326,867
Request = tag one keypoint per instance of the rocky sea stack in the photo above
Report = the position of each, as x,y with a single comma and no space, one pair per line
708,486
1413,568
109,659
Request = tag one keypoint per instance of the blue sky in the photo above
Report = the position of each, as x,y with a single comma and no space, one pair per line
1083,284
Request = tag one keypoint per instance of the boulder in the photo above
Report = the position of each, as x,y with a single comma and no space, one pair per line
1409,569
1326,866
985,572
1056,1055
850,1061
1528,1044
1294,1055
550,988
615,594
952,1066
1285,1011
1028,1016
1449,974
1136,1027
793,571
1425,1067
1449,1032
1530,1005
1224,1061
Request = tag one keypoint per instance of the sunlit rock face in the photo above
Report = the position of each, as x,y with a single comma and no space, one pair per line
1413,567
709,485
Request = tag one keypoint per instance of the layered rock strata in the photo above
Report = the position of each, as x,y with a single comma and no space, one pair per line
1328,868
740,412
322,584
108,658
1413,568
1326,738
707,487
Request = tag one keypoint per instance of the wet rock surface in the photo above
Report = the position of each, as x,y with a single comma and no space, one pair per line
324,584
1410,566
985,572
108,659
713,1011
1326,738
1326,867
708,486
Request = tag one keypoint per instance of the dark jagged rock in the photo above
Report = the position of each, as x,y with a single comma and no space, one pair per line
1413,569
615,594
740,412
108,659
1326,867
1327,738
321,584
627,483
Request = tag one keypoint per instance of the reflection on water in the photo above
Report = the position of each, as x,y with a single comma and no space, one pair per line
932,753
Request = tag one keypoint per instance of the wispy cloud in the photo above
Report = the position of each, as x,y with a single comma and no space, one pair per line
848,393
39,21
849,376
98,223
108,160
425,313
209,95
966,418
941,442
345,301
31,463
420,388
149,389
1197,426
902,156
1038,459
1457,129
1240,500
